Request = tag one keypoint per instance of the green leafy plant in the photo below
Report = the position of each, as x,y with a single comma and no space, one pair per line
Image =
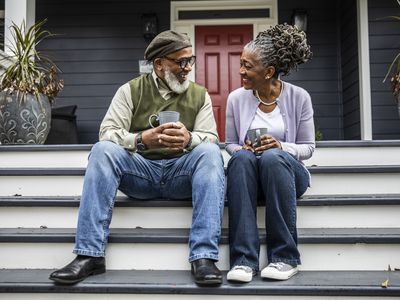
30,71
395,77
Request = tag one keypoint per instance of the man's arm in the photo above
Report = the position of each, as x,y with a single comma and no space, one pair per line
205,128
117,121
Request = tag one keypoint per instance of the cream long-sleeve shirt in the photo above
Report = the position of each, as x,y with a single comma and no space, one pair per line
117,121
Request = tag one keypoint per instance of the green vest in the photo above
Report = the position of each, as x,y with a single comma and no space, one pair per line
147,101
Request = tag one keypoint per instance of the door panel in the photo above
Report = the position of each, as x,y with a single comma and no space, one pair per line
218,50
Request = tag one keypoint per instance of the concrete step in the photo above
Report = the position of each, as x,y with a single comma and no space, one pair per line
166,249
313,212
69,181
155,284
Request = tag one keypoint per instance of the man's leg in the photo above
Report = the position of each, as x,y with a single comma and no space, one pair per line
109,165
202,170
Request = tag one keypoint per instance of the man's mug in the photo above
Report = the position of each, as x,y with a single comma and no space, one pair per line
254,135
163,117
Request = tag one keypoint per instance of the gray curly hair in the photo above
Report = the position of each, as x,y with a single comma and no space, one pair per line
282,46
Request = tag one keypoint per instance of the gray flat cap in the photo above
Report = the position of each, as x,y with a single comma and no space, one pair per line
165,43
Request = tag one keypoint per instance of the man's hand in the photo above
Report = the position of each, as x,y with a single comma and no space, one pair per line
170,135
175,137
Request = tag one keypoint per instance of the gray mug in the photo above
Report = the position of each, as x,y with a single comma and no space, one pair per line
254,135
164,117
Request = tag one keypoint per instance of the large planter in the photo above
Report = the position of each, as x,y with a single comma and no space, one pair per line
26,121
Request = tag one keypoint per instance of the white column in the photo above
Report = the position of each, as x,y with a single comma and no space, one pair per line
364,70
17,11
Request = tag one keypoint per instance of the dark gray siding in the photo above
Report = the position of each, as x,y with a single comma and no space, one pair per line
98,49
349,70
320,77
384,46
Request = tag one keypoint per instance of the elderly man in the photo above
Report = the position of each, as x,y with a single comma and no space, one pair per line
175,160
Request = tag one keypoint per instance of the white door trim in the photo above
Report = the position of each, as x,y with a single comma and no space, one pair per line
364,70
188,26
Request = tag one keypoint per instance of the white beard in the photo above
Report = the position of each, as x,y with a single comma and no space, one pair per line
174,83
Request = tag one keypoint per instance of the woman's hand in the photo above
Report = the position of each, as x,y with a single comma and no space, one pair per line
267,141
248,146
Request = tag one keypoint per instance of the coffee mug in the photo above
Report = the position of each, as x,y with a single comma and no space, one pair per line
164,117
254,135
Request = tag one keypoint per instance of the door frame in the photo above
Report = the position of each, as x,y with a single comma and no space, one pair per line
188,26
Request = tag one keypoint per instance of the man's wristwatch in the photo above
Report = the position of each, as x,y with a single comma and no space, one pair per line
139,143
190,140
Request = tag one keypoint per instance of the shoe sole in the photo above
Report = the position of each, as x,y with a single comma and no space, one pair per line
279,276
238,278
210,282
66,281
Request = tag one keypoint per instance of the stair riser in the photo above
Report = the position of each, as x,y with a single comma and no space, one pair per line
166,256
353,156
322,184
347,156
180,217
175,297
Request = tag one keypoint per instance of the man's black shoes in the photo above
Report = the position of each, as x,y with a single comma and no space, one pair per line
80,268
205,272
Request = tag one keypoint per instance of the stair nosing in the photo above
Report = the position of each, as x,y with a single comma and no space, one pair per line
180,235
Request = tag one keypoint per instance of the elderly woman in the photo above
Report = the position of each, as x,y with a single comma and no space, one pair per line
271,169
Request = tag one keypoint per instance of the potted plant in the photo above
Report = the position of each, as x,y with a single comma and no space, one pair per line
29,86
395,77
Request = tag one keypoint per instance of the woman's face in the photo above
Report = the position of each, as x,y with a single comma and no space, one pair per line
252,72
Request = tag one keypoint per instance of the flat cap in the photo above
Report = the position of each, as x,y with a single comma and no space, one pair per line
165,43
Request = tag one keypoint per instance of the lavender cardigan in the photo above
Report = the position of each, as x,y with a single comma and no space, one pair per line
296,108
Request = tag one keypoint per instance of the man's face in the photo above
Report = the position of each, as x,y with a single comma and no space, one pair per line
175,67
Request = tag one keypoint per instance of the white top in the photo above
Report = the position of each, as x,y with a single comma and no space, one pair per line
272,120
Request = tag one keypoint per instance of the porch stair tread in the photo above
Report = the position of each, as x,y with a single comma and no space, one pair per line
307,283
180,235
124,201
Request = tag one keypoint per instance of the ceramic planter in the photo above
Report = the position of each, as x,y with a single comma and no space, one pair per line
24,122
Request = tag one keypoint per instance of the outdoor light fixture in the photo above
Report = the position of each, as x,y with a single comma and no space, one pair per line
149,26
299,18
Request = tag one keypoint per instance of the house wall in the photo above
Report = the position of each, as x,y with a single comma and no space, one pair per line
349,69
320,76
100,43
98,49
384,41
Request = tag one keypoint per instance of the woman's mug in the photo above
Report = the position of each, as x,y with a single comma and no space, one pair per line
164,117
254,135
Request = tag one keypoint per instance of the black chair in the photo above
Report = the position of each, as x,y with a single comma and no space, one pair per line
63,126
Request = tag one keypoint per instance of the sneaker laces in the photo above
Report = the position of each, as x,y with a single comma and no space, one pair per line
278,265
244,268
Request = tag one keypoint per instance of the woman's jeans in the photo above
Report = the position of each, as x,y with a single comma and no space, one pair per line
198,174
277,179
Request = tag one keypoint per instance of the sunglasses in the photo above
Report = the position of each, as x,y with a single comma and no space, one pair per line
183,62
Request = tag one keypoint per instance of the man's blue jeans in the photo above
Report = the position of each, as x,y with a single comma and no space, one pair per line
198,174
278,180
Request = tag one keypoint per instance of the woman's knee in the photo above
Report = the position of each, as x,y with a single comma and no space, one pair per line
243,157
272,158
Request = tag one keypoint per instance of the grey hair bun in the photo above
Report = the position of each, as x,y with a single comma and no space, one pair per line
282,46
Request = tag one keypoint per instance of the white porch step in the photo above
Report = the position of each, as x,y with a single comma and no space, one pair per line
166,249
325,181
168,285
327,153
309,216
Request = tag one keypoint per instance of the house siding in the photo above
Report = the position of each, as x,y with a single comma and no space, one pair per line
97,49
100,43
349,70
384,42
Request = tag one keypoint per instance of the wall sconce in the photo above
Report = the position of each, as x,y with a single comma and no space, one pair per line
299,18
149,26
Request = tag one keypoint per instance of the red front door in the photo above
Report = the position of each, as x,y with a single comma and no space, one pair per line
218,50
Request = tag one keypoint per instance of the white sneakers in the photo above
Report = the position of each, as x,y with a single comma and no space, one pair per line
240,273
279,271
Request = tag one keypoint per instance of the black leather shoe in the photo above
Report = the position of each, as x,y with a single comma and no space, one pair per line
80,268
205,272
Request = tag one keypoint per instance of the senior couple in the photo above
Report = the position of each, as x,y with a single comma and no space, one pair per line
178,160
